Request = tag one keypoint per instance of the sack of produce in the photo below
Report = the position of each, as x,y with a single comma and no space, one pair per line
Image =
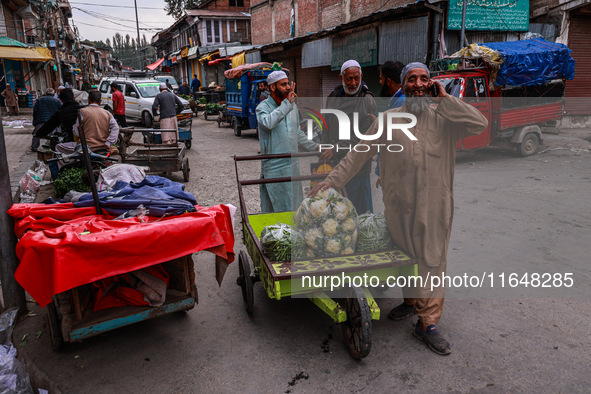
277,241
328,223
373,234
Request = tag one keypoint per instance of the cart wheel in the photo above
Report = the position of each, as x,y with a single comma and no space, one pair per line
186,169
357,328
53,324
236,126
244,280
188,144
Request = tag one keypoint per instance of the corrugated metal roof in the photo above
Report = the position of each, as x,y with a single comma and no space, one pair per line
405,40
9,42
361,46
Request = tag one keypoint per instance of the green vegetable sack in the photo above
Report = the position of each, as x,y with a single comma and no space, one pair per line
373,234
328,223
277,241
70,179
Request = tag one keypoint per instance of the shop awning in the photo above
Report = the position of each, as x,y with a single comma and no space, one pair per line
208,57
37,54
155,64
216,61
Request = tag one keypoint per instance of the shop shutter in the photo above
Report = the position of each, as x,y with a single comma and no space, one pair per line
330,80
578,90
309,83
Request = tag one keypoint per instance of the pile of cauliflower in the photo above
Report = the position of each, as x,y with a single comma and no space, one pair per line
328,223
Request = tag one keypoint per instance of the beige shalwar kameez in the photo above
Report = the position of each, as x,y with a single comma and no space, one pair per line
418,189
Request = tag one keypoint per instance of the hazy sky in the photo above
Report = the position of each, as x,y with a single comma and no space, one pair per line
118,16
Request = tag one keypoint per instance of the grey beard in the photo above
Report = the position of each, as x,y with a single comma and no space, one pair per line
349,92
416,105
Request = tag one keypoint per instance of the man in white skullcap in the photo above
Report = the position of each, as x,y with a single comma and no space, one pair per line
279,132
352,96
418,190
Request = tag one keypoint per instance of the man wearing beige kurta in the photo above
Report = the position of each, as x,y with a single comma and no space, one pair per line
418,189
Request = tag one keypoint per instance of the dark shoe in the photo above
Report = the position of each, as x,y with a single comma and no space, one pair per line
402,311
433,339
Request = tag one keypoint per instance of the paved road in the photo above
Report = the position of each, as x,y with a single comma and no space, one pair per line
513,215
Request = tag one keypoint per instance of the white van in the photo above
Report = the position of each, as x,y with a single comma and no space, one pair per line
139,96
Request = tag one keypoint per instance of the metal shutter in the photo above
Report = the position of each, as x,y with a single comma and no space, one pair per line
578,90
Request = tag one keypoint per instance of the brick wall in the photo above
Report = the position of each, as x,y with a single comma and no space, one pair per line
261,26
224,5
282,10
307,14
331,16
361,8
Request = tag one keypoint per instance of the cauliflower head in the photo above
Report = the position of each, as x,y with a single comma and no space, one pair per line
330,227
312,236
333,246
348,225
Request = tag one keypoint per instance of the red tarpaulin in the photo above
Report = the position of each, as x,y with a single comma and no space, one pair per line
155,64
62,247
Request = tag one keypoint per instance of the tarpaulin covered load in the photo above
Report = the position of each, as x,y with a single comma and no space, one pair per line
62,247
532,62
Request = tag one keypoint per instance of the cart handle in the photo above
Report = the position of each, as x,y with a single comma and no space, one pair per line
282,179
277,156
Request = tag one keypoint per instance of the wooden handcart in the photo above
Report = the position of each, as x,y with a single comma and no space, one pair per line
163,158
355,311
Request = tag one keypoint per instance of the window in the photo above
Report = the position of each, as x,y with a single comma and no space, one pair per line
130,90
475,89
212,31
104,87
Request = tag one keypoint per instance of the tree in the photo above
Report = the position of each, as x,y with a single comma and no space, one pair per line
176,8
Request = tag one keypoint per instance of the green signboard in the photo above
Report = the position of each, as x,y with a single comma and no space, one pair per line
499,15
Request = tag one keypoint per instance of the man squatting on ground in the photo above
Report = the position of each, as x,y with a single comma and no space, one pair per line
277,116
418,189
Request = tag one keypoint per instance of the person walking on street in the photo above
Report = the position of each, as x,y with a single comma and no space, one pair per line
195,85
64,117
44,108
418,190
277,116
118,105
352,96
10,100
169,106
168,85
184,89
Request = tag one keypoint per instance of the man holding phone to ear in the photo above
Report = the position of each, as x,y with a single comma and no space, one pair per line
418,189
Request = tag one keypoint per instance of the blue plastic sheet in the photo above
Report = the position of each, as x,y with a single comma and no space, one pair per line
160,195
532,62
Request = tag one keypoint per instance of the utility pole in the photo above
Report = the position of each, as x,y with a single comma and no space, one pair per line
463,31
12,292
137,24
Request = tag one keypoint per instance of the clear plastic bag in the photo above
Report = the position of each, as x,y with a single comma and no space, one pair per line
328,223
374,235
282,243
13,375
31,181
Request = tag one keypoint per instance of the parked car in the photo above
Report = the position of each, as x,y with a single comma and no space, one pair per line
139,97
171,80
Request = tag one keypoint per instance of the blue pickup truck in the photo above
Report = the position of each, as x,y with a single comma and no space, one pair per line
242,98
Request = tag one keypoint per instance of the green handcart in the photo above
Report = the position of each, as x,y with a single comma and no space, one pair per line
356,310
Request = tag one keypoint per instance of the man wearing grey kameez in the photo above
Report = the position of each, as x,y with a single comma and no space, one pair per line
418,189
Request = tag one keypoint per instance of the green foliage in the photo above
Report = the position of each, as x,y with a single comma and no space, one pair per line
202,100
186,96
125,49
70,179
177,8
213,108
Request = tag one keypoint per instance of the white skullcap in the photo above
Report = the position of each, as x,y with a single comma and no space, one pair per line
163,86
349,64
409,67
276,76
61,87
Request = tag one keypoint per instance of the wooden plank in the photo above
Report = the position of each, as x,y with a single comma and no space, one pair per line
141,314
